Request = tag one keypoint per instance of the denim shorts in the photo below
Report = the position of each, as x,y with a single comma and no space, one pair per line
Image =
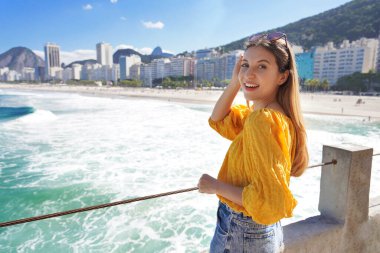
236,233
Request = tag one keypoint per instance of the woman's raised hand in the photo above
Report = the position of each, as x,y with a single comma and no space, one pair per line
235,73
223,105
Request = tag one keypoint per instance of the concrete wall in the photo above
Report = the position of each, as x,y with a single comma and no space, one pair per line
349,221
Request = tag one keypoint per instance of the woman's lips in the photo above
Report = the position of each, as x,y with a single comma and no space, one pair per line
251,86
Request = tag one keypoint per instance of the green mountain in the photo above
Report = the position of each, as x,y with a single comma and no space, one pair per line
353,20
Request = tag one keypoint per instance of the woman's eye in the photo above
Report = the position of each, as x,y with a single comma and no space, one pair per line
245,65
262,67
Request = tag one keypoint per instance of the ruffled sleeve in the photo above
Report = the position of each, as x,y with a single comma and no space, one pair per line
267,197
232,124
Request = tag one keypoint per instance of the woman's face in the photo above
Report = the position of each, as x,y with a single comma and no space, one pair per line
259,75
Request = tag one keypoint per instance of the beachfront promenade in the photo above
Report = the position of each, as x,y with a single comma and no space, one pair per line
349,220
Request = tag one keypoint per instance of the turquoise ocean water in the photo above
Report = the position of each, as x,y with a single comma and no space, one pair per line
61,151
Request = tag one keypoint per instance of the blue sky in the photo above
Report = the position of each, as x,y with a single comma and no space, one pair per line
175,25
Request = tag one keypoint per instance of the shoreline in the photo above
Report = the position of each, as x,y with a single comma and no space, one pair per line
311,103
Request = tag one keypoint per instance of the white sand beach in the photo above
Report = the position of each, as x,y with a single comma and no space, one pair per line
313,103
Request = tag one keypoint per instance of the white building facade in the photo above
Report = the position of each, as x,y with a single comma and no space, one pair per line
134,71
3,73
180,66
217,68
52,61
125,63
331,63
67,74
146,75
28,74
104,54
76,71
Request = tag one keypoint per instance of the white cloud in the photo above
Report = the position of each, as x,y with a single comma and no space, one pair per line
123,18
153,25
113,1
69,57
87,7
146,50
167,51
77,55
123,46
40,54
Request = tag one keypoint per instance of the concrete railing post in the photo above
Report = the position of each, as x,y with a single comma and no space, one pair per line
345,191
346,223
345,186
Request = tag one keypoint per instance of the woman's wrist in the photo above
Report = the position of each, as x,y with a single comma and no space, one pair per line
217,186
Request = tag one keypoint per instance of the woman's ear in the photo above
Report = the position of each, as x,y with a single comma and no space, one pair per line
283,77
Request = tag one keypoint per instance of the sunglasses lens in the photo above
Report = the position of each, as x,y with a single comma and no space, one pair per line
271,37
276,35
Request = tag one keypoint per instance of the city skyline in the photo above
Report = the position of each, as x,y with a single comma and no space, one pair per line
327,63
142,25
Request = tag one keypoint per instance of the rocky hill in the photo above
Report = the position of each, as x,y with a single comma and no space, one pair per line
19,57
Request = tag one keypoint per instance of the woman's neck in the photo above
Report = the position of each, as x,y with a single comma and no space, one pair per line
260,104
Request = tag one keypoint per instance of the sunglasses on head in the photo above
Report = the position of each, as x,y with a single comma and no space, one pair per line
270,36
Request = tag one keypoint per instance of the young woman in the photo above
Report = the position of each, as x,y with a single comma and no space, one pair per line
268,146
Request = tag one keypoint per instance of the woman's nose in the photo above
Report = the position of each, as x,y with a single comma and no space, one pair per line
250,72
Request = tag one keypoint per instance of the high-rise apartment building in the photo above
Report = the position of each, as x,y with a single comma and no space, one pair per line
126,62
331,63
104,54
52,61
305,64
216,68
146,74
180,66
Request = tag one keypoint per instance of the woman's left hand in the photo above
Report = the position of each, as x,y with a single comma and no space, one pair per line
208,184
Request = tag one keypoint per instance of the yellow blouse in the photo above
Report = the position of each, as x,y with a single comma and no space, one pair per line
260,160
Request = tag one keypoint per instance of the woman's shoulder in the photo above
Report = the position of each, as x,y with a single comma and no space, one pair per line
269,118
269,115
242,111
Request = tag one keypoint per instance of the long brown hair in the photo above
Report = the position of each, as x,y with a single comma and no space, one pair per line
288,97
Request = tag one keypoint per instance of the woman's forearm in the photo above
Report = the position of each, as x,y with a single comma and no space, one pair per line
231,192
223,105
211,185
